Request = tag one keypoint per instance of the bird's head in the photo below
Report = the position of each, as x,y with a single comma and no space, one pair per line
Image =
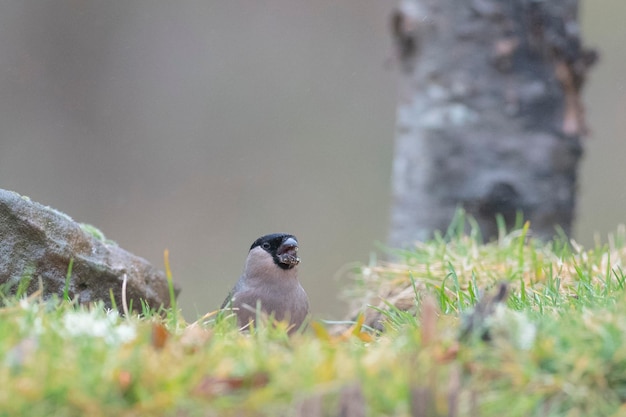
282,247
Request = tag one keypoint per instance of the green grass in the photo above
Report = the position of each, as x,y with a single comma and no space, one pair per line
555,346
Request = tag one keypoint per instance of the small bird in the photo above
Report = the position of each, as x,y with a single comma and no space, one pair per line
270,277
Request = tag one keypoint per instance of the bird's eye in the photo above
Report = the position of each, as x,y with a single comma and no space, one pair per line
266,245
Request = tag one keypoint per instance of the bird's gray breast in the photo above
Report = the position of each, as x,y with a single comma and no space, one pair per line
285,301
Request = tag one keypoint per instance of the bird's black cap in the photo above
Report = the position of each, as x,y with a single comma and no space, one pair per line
282,246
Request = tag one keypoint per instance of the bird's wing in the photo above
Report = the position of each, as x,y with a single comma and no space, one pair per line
236,289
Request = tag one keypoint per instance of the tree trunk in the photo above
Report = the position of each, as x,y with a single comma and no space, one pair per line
489,116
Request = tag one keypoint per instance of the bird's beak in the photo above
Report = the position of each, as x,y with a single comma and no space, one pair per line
288,252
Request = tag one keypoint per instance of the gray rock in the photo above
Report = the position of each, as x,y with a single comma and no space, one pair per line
38,242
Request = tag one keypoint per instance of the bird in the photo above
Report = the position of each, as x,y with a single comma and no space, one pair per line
270,280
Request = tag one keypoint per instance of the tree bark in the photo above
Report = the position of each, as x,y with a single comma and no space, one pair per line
489,117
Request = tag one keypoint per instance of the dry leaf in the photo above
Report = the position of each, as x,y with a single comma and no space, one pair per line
356,330
320,331
159,336
211,385
429,320
124,379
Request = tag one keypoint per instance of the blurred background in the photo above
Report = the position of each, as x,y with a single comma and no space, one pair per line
200,125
